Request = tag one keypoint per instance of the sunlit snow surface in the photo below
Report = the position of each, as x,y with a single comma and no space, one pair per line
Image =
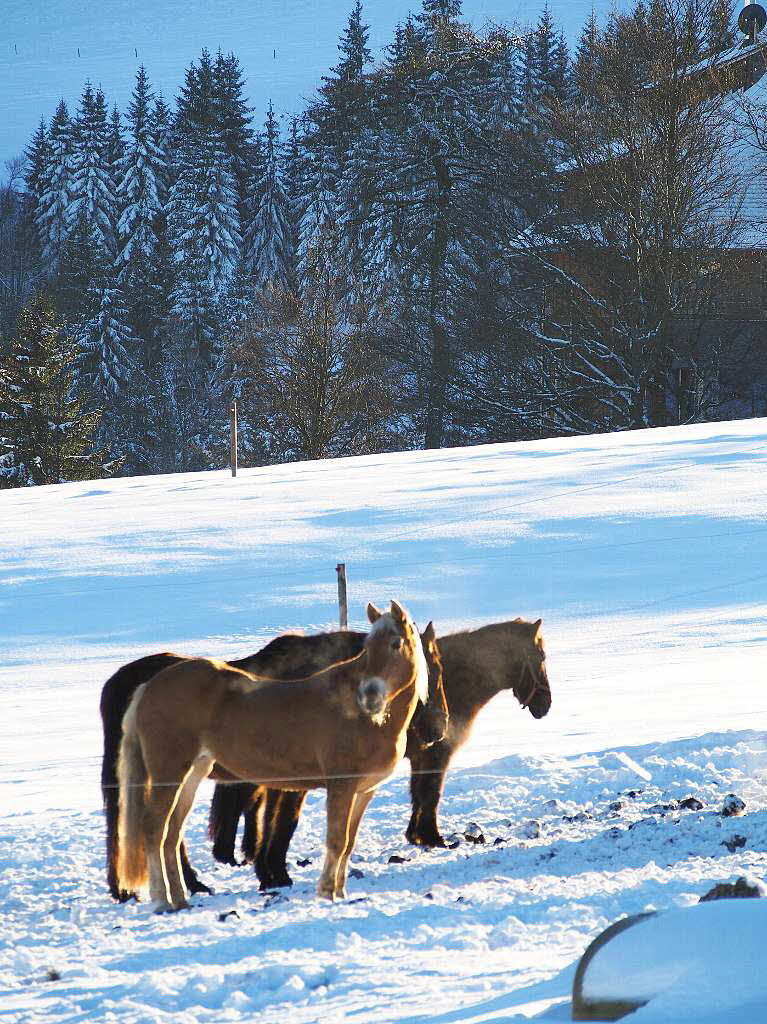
645,554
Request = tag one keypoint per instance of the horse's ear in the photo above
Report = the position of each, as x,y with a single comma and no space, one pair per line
428,634
398,611
537,628
373,613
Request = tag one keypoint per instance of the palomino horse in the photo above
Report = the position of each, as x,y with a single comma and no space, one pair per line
342,729
289,656
271,815
476,665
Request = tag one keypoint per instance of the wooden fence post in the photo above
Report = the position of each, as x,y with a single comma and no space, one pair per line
233,437
342,606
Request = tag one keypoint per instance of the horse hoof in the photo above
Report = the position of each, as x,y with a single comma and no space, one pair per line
198,886
431,842
326,892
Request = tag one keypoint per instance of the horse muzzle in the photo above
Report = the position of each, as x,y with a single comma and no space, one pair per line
371,696
429,727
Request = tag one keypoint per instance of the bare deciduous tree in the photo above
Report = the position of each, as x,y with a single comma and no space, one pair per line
637,248
319,381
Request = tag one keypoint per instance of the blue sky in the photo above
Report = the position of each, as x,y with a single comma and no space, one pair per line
49,49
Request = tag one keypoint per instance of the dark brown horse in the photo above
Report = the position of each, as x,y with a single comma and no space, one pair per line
476,665
290,656
342,729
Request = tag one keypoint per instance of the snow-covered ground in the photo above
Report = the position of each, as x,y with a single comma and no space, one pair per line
646,555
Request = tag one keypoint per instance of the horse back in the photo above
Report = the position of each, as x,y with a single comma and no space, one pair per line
293,656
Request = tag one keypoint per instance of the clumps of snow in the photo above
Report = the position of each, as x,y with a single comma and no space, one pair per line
474,834
733,806
741,888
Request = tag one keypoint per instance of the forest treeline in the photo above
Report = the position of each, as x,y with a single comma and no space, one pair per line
479,237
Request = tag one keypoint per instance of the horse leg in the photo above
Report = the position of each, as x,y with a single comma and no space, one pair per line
427,781
184,799
415,798
253,825
339,811
280,826
228,803
191,878
270,809
157,811
360,805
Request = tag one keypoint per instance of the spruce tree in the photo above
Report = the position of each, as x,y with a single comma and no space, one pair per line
52,213
202,211
333,127
46,434
91,183
416,194
586,64
142,180
269,249
109,376
233,121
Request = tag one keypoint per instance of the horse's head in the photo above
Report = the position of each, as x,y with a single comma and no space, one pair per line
431,719
530,682
394,660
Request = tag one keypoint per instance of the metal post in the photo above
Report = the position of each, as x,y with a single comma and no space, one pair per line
233,437
342,606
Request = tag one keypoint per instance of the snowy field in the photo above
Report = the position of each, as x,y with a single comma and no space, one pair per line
645,554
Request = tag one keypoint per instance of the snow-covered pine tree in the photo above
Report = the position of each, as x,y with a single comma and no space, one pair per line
53,205
586,65
91,184
109,377
82,263
197,108
332,128
202,211
46,433
203,204
547,63
419,187
145,265
114,154
268,253
293,159
233,121
344,110
192,356
142,180
37,156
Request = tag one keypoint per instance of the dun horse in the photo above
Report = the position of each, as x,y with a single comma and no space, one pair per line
287,657
476,665
342,729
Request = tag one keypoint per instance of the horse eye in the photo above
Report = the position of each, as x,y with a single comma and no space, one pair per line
396,644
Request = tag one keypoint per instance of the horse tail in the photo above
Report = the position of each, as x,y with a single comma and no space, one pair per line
132,778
